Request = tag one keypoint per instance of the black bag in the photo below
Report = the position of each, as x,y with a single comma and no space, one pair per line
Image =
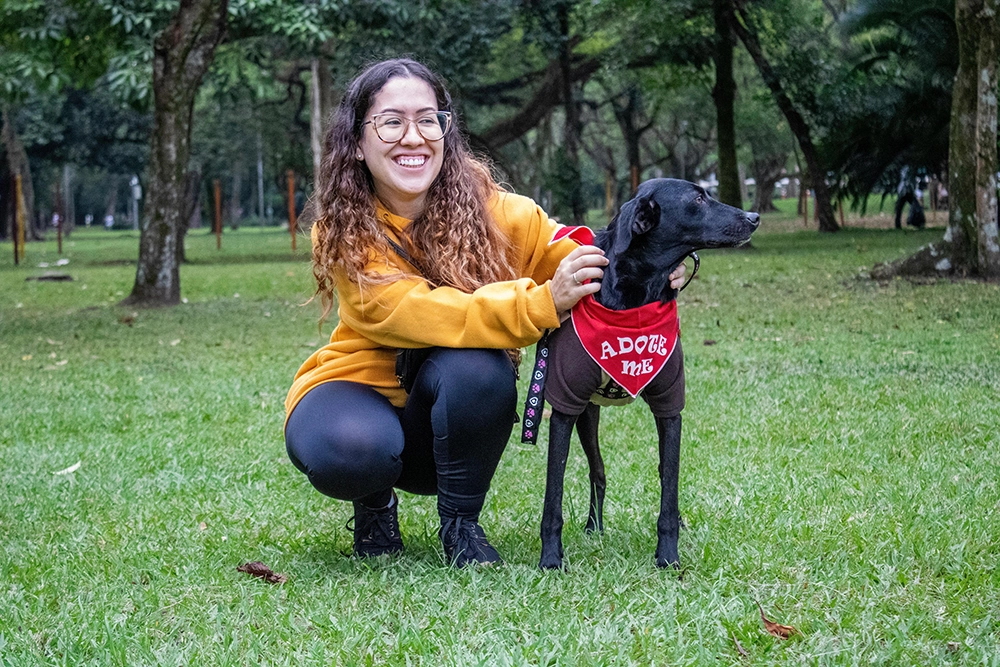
408,362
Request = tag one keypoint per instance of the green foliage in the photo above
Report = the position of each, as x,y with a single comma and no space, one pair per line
904,56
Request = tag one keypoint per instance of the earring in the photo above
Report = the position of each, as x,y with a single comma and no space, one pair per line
360,157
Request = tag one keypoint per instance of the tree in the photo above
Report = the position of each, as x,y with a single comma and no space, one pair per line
895,112
970,245
744,27
724,94
765,131
17,165
182,54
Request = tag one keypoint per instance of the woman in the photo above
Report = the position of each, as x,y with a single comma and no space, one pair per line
421,249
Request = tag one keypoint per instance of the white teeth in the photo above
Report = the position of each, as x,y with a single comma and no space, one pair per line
411,161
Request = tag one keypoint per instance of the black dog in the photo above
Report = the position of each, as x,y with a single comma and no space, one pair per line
666,221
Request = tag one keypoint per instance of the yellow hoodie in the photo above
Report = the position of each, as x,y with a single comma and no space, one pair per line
408,313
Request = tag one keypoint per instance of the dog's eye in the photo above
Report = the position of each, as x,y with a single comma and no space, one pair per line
700,199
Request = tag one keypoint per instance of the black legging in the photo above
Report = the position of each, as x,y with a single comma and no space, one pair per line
354,445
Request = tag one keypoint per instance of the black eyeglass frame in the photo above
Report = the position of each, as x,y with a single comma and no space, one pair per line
439,114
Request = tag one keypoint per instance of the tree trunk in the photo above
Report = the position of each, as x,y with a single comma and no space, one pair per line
17,161
69,207
824,203
235,200
321,89
626,117
724,94
766,173
182,54
191,190
111,199
970,244
572,129
983,230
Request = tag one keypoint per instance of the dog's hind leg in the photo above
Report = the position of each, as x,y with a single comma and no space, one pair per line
668,429
586,428
560,430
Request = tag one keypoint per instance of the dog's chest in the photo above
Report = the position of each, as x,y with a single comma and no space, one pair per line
574,377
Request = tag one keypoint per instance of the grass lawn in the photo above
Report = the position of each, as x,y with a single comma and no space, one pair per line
839,466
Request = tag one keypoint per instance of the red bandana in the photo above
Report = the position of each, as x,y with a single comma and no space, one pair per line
582,235
629,345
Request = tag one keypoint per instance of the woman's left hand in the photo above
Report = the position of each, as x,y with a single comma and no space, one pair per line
677,277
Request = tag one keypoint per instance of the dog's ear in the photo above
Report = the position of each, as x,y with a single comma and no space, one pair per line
647,216
636,217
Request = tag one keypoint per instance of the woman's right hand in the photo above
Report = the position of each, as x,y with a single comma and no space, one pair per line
569,284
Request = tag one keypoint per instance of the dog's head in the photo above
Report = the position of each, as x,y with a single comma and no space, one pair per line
653,233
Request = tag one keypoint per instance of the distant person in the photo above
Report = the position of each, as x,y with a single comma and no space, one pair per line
908,192
419,248
109,221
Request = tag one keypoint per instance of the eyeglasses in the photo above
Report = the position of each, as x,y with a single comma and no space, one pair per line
391,127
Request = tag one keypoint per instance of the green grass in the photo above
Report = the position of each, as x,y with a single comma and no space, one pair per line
839,466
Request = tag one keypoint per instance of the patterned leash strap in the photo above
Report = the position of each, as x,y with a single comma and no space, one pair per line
535,402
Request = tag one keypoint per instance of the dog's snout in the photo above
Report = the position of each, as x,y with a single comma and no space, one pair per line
753,219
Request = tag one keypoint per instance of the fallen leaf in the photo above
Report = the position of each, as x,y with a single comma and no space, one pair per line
62,363
26,357
202,526
258,569
66,471
128,319
739,648
175,342
53,342
709,342
954,646
778,630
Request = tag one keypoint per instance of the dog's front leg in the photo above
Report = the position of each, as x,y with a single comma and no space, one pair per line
560,430
668,429
586,428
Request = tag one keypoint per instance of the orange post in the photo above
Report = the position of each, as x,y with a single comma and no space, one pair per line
291,206
218,215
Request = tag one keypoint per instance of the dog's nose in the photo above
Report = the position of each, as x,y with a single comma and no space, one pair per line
754,219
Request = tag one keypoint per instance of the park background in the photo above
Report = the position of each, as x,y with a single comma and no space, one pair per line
838,465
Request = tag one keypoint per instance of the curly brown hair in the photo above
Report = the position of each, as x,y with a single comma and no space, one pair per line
348,234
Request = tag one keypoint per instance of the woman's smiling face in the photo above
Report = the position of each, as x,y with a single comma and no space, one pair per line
403,171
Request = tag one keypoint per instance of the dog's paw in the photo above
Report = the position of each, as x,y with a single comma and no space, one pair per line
666,557
664,563
551,562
